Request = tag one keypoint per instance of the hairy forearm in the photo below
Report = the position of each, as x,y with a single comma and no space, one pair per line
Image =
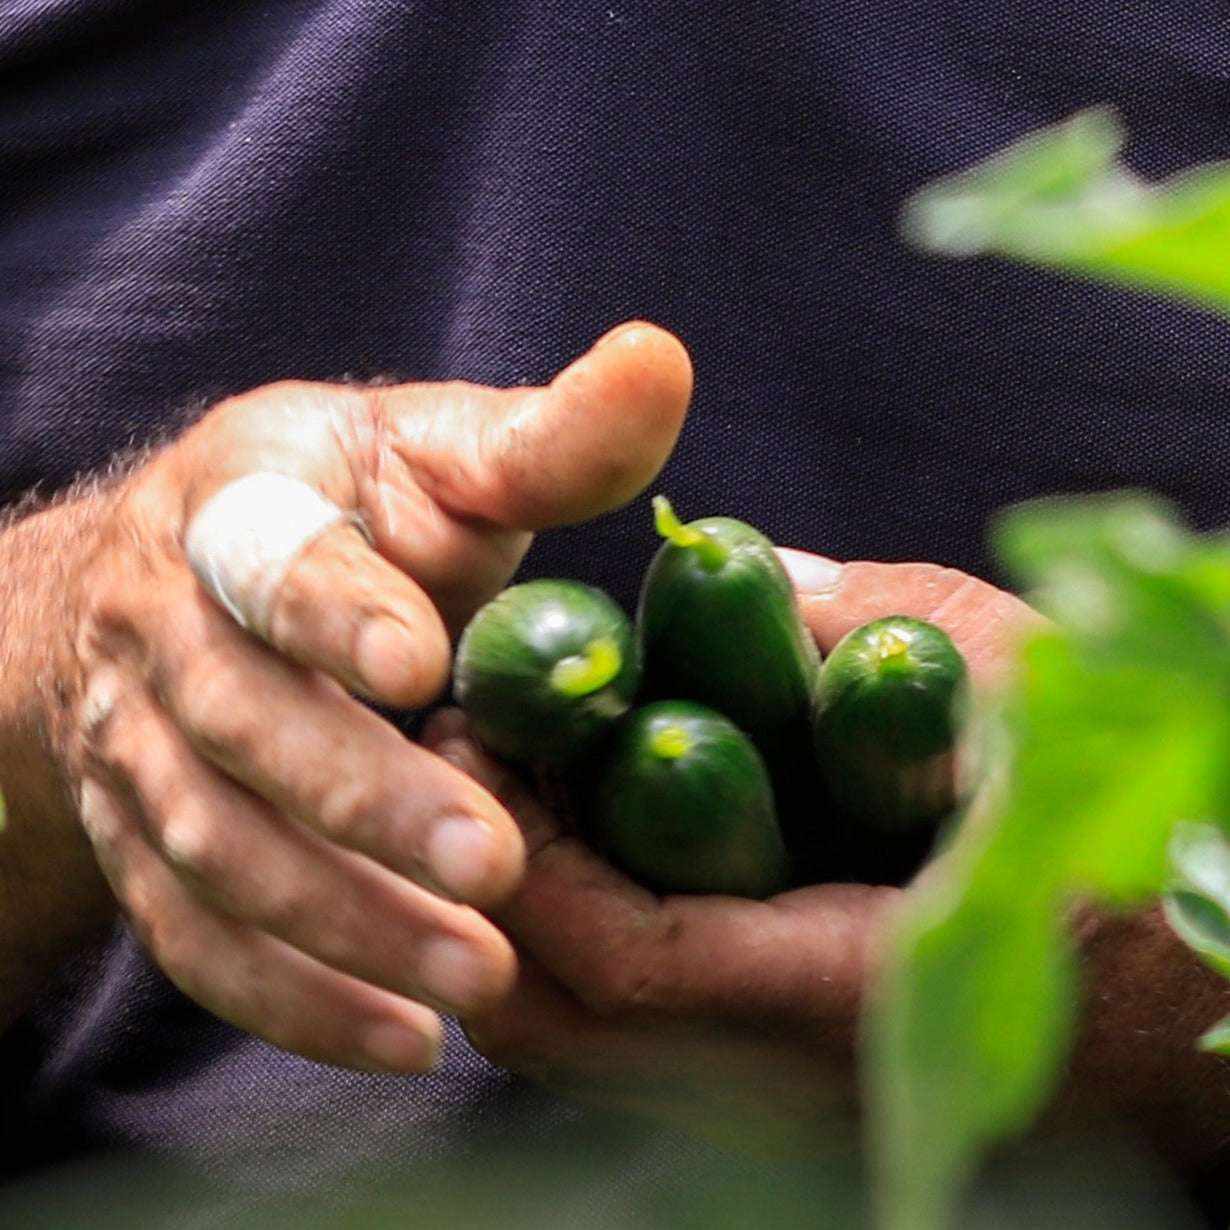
52,896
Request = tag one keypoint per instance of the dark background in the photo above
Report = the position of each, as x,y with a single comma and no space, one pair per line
199,198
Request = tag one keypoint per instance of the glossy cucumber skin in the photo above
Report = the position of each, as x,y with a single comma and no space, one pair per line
703,822
886,727
502,671
731,638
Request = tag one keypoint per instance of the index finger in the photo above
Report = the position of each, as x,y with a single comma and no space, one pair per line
344,609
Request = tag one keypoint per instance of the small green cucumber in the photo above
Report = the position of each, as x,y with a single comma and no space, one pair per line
684,804
545,669
719,624
886,722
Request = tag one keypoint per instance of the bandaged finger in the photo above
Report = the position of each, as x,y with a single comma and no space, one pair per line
243,540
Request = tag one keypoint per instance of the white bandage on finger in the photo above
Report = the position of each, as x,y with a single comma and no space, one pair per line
244,538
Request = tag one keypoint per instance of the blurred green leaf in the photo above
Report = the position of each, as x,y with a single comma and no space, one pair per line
1060,198
1114,732
1217,1039
1050,179
1135,530
1107,757
951,1069
1116,729
1124,580
1197,904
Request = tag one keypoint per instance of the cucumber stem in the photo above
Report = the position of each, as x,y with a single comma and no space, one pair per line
711,553
891,650
670,742
585,672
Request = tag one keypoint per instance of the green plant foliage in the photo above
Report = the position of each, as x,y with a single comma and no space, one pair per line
1111,741
1198,905
1061,198
1115,730
950,1068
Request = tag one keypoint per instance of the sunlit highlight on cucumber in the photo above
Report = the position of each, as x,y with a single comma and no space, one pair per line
586,672
711,553
670,743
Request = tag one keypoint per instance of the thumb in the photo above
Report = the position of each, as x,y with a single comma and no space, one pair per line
984,622
588,442
597,435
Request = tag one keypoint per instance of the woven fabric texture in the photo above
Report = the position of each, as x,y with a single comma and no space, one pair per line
196,199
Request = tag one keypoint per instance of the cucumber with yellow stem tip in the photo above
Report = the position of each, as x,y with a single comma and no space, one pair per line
719,623
545,670
887,720
683,803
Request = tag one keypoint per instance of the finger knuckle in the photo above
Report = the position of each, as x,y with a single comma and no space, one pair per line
103,621
193,842
288,388
277,393
612,987
174,948
635,977
96,717
350,808
215,696
286,907
953,590
100,818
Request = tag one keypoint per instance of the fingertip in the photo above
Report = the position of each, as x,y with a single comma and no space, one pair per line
385,656
347,611
598,434
535,822
502,971
645,363
410,1046
470,974
810,573
662,351
400,665
477,861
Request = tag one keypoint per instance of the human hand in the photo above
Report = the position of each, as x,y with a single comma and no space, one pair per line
287,857
738,1018
731,1017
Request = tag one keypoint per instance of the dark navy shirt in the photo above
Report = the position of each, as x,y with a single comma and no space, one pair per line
199,198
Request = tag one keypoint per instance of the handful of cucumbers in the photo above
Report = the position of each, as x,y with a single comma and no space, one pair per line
746,755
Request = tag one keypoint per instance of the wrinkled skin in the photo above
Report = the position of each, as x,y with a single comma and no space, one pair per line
287,857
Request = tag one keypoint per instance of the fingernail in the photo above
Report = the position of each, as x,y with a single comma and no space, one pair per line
398,1048
384,655
811,574
612,335
447,747
454,973
459,856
